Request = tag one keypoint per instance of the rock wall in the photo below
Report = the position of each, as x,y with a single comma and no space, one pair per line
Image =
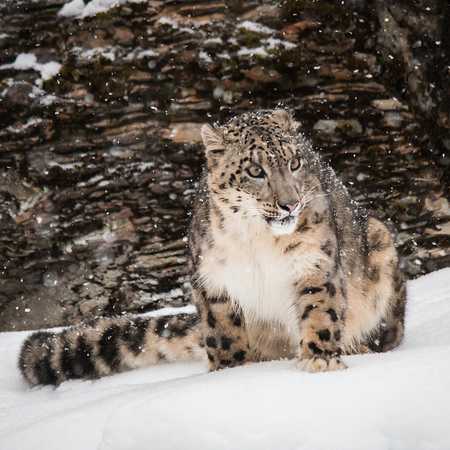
100,110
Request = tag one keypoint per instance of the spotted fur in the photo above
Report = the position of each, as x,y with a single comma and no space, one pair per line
284,265
109,345
278,240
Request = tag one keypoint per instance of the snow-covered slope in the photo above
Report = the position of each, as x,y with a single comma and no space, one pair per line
398,400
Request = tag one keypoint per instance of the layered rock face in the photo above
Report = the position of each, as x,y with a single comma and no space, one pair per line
100,108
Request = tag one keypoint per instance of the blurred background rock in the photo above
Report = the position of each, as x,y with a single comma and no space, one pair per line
100,108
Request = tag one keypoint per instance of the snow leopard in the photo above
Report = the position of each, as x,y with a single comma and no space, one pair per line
284,265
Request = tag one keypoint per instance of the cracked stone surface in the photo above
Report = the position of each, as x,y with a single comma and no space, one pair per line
98,163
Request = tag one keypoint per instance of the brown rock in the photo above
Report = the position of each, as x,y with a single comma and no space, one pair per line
338,49
350,127
92,307
188,56
87,39
438,204
116,176
19,94
78,92
335,71
291,32
264,13
262,74
371,87
365,60
389,104
392,120
139,75
123,36
187,132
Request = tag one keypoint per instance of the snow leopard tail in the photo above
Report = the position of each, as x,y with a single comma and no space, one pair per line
109,345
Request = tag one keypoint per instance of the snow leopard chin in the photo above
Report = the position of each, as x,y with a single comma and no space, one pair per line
284,226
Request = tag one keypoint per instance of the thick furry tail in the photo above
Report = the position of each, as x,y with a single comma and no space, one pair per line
109,345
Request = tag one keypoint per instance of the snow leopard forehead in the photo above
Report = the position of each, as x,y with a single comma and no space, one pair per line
272,134
270,139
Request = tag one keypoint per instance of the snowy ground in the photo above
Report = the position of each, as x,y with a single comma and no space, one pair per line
399,400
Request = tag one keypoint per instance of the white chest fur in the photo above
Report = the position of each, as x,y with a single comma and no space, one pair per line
258,276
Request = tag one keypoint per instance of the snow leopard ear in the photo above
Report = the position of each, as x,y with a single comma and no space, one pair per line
213,140
285,120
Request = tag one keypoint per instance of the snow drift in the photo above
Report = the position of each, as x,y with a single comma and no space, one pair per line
398,400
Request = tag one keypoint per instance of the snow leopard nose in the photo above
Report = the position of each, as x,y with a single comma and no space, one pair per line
289,207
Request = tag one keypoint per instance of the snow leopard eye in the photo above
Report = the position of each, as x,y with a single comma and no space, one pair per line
295,164
256,171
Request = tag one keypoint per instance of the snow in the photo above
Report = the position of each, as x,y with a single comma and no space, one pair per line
27,61
172,23
205,57
274,43
255,27
213,41
223,55
255,51
72,9
66,166
107,52
78,8
173,293
146,53
163,20
49,99
268,45
32,121
397,401
112,53
172,311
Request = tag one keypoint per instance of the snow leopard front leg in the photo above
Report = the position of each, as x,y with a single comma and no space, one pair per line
319,313
223,329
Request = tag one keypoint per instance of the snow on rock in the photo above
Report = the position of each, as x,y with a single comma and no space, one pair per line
255,51
80,9
74,8
255,27
213,41
164,20
19,128
28,61
35,93
147,298
398,400
205,57
112,53
48,99
107,52
274,43
149,53
172,311
268,46
175,25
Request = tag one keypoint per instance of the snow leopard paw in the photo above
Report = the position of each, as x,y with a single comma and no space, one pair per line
320,364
